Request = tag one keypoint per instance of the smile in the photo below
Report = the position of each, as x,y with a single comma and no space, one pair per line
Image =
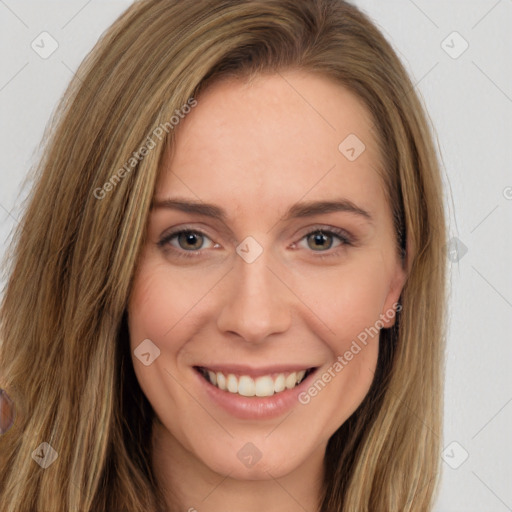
262,386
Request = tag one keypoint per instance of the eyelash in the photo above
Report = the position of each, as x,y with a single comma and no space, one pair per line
342,235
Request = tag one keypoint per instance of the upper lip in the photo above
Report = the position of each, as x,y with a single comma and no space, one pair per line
238,369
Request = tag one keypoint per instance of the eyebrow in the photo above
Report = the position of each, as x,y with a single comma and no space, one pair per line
298,210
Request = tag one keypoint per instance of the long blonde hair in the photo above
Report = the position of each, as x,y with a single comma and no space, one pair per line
64,353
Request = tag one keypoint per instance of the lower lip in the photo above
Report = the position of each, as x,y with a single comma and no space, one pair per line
255,408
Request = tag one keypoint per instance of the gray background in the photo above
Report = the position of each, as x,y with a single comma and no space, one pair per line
468,95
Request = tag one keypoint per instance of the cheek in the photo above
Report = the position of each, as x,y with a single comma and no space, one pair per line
165,307
160,310
161,299
349,298
349,301
156,306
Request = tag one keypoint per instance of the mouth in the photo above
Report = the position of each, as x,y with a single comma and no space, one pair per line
251,386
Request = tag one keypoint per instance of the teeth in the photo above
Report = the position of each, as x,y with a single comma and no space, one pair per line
264,386
213,377
290,380
221,381
246,386
279,383
232,383
261,386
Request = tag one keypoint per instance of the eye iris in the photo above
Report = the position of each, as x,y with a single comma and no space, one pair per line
194,240
190,238
319,238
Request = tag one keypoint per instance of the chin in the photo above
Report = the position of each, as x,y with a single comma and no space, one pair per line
246,460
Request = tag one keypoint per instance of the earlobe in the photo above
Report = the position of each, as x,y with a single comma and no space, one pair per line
388,317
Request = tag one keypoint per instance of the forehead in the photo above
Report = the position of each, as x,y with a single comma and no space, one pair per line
272,141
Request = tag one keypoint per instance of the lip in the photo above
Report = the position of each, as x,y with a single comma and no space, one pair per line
254,408
238,370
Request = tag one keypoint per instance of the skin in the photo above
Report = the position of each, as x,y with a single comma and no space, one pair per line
255,149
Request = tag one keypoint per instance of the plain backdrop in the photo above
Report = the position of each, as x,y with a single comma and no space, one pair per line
459,55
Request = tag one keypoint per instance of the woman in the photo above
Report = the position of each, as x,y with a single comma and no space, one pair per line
249,372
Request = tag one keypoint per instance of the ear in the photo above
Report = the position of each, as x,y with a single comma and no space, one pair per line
392,303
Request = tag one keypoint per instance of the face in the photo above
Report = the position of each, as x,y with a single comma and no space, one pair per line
270,252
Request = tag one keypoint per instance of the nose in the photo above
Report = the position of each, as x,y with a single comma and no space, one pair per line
256,303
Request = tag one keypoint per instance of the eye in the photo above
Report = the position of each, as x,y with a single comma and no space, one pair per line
185,241
321,239
188,242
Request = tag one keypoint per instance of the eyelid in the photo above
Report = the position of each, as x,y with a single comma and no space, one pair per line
205,231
